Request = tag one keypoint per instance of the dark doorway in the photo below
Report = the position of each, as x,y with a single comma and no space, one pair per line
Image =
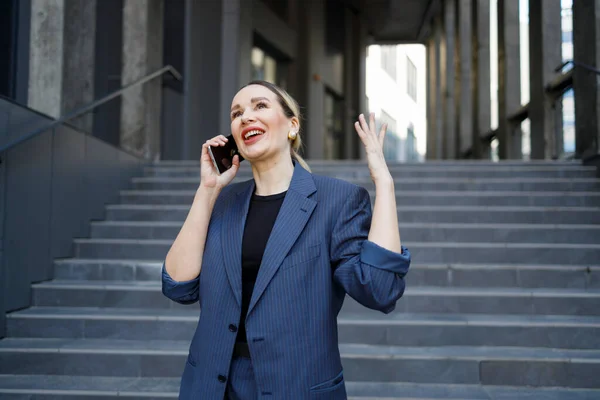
109,42
8,47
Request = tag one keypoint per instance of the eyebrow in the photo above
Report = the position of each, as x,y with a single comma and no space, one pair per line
252,100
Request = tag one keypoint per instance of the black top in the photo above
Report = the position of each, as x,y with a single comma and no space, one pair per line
259,223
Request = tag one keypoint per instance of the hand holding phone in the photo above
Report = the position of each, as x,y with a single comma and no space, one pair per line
210,176
222,155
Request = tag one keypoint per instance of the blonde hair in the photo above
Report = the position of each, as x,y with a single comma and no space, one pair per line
290,109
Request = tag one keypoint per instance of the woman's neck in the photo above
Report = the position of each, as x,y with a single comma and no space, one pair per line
272,176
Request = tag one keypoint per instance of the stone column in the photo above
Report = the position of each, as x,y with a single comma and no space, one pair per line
46,56
351,66
430,90
545,43
586,49
79,60
440,76
481,76
202,74
465,101
62,54
448,80
509,80
237,41
142,55
311,53
433,97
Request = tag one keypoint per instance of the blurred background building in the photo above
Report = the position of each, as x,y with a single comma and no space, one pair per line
396,94
334,56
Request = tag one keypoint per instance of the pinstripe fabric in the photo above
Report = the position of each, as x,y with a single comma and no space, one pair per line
317,252
242,384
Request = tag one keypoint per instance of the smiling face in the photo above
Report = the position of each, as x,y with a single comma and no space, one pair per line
259,125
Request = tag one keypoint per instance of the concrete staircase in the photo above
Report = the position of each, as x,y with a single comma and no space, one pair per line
502,301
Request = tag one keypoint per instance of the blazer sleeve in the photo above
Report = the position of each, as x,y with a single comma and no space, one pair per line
185,292
370,274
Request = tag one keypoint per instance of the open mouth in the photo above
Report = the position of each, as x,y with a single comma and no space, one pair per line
254,132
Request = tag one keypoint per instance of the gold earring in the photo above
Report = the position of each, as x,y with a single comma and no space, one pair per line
292,135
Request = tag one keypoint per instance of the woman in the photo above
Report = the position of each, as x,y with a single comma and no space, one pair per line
271,259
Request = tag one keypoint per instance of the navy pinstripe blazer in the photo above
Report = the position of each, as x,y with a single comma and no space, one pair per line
317,252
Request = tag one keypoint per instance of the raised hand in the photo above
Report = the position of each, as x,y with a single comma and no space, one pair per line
373,143
209,176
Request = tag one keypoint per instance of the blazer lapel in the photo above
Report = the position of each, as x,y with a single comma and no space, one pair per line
232,231
293,216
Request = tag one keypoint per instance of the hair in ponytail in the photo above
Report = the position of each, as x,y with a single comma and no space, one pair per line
290,109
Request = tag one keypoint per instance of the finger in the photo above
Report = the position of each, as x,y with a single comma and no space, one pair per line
363,124
223,138
372,126
382,134
204,155
359,130
214,142
236,161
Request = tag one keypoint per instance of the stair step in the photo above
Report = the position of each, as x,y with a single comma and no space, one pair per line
404,171
399,329
94,388
409,197
455,275
566,164
406,214
426,252
364,363
410,231
139,294
492,184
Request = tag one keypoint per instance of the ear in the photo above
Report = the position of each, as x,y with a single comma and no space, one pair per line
295,124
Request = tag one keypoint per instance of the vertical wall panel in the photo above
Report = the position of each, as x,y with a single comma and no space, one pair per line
101,169
67,186
27,218
3,282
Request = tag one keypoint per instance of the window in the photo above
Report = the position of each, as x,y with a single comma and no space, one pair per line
411,79
388,60
411,144
268,68
389,120
263,66
334,127
391,142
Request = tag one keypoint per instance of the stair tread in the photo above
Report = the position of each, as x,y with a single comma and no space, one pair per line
169,387
414,265
402,193
452,225
482,179
344,318
151,242
422,290
400,208
176,347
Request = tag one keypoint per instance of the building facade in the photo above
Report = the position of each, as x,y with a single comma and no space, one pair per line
395,87
64,54
59,55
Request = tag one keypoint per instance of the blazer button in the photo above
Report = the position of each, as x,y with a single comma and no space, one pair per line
222,379
232,328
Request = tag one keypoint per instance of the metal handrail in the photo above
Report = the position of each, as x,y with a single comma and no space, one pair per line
577,64
80,111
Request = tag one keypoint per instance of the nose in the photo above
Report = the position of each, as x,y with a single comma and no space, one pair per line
247,117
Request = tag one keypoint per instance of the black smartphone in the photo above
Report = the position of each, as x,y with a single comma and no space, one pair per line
222,156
